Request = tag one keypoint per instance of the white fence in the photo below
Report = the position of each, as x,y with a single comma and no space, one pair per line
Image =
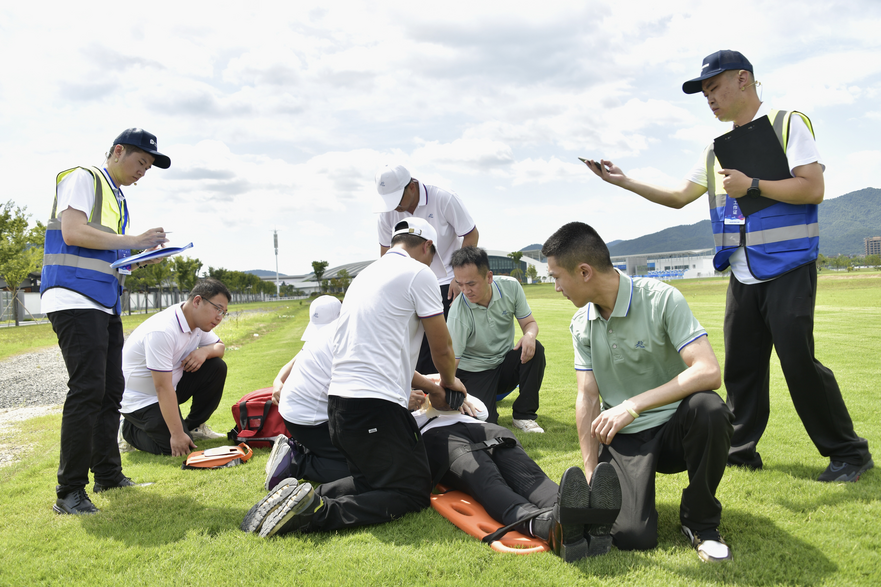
28,307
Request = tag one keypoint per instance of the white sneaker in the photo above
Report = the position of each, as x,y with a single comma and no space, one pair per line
710,551
123,444
528,426
203,432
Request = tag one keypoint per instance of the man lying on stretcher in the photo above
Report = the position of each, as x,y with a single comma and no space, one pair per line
487,462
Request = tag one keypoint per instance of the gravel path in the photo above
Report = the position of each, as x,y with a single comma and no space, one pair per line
31,385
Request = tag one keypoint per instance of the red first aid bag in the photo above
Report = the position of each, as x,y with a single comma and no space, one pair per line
257,420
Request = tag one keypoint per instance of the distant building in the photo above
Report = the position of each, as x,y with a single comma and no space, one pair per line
501,264
669,265
873,245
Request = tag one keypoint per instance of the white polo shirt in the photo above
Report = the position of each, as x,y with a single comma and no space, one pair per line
303,398
446,213
380,329
159,344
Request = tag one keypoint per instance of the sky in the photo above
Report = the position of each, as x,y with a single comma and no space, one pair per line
277,116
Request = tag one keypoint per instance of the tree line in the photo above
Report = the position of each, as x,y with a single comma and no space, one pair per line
21,254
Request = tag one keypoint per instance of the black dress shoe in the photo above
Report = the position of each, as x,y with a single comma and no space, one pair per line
126,482
75,502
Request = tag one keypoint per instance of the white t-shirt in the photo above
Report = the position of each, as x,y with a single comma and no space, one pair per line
801,149
159,344
446,213
303,398
380,329
77,191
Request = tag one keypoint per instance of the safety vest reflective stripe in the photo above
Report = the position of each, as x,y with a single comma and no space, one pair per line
98,265
770,235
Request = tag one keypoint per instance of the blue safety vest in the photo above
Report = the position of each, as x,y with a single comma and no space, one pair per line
779,238
87,271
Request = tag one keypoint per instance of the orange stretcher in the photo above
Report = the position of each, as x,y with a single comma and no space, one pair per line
468,515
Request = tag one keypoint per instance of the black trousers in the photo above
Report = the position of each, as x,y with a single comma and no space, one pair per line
486,385
695,439
780,313
389,474
425,364
91,344
146,430
505,481
321,461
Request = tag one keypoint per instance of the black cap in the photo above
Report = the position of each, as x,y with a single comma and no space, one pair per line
138,137
715,64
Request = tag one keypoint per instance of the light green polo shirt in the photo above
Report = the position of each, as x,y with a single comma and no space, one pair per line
483,336
637,348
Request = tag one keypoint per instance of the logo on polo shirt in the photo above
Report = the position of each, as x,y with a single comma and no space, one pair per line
431,215
640,345
504,312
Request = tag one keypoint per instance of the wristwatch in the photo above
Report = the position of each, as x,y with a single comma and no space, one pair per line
754,190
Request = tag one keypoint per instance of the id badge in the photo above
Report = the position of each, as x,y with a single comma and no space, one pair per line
122,254
733,214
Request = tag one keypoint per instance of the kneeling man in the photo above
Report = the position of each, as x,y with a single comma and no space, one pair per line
481,323
645,404
172,357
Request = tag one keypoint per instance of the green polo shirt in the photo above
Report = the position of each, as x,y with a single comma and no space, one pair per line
483,336
637,348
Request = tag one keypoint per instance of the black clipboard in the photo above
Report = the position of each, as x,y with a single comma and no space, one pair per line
754,150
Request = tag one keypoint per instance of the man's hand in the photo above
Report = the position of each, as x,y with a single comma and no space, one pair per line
438,397
609,422
195,359
150,239
276,394
607,171
735,182
453,291
417,400
527,348
181,444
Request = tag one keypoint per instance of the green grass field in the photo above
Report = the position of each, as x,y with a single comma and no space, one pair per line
784,527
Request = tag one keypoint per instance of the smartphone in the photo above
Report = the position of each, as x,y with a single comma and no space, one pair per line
596,164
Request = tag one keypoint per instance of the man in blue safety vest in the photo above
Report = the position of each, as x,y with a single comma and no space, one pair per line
772,255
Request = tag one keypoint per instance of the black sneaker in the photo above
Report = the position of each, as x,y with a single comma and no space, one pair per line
605,494
126,482
566,538
75,502
839,471
294,514
257,515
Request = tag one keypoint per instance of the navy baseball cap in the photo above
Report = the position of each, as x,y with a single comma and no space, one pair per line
715,64
138,137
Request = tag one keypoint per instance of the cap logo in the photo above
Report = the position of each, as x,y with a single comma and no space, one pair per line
705,65
152,142
382,183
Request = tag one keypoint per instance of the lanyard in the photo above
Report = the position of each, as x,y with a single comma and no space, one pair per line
120,200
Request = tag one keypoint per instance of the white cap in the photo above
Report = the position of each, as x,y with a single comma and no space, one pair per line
417,226
323,311
390,183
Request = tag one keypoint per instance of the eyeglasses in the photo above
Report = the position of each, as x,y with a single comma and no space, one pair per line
220,311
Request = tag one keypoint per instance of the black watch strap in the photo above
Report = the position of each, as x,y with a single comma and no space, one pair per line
754,188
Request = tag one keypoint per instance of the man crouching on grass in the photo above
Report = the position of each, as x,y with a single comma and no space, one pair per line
645,373
172,357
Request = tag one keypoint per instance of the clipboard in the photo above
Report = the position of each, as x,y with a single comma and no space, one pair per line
147,255
755,150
